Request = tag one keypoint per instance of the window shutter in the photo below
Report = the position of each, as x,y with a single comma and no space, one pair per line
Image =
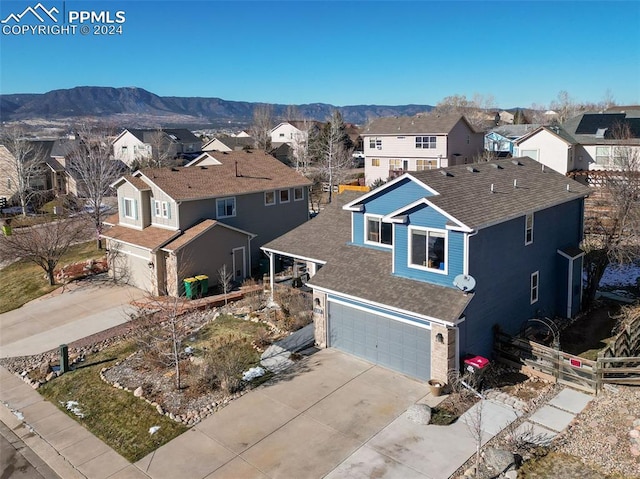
153,207
135,209
122,206
168,210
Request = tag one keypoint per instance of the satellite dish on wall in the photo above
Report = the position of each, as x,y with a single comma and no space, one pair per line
465,282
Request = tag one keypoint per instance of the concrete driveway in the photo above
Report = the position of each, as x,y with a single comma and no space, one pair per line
303,425
82,309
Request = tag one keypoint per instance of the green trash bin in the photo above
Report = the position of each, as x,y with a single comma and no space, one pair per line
190,287
203,284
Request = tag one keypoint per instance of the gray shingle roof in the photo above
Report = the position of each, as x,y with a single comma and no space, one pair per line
407,125
363,272
466,195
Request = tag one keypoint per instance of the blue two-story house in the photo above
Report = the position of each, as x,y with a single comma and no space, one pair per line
417,273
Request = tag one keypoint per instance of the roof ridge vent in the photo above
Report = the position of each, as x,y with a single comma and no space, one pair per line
516,162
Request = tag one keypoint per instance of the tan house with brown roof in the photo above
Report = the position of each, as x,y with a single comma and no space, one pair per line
175,223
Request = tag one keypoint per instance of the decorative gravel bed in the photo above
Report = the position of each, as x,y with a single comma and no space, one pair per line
603,434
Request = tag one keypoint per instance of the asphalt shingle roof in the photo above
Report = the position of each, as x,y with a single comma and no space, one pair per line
150,238
363,272
240,172
465,192
407,125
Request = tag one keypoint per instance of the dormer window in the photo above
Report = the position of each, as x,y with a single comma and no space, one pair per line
378,233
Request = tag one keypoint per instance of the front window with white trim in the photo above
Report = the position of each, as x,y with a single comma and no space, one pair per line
535,286
226,207
129,208
528,229
284,196
428,249
298,194
157,208
377,232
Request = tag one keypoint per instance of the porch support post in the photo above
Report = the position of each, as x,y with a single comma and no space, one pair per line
272,267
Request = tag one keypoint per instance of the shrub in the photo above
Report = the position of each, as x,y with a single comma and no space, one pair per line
224,364
296,308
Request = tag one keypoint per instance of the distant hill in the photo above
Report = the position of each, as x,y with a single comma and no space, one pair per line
137,107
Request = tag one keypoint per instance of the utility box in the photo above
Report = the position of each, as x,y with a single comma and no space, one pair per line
203,284
190,287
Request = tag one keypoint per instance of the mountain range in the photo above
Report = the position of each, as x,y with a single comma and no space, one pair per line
136,107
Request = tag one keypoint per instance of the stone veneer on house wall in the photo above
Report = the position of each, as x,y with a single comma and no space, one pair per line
443,354
320,318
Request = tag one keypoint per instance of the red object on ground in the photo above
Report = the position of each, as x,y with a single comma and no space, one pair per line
477,362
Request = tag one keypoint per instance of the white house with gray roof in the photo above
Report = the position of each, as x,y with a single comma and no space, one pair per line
589,141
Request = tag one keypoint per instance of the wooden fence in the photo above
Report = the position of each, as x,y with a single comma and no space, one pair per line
626,342
564,368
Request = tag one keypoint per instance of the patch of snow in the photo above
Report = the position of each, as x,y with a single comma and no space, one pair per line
617,275
154,429
188,350
252,373
73,406
19,415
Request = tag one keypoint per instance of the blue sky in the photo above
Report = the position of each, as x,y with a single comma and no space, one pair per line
339,52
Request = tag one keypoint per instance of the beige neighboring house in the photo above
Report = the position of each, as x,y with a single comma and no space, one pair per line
133,145
394,145
228,143
56,173
585,142
174,223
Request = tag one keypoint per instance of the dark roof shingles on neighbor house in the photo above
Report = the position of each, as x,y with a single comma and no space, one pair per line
465,192
240,172
363,272
423,123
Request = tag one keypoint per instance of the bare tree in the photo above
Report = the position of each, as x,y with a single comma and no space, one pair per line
291,113
565,106
300,148
262,124
23,165
92,163
485,156
477,110
225,279
162,151
613,231
475,428
332,150
44,244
